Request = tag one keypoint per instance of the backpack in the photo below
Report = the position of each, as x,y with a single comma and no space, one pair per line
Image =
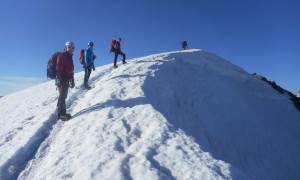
51,67
81,57
113,45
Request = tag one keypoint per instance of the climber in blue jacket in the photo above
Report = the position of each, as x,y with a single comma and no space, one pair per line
89,58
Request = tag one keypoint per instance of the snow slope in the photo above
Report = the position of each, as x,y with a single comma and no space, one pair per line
178,115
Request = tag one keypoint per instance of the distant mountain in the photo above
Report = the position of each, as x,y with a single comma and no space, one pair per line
177,115
1,96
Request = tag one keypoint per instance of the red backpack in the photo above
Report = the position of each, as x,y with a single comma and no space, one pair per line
81,58
51,67
113,45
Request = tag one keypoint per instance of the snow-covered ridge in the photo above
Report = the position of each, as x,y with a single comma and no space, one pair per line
178,115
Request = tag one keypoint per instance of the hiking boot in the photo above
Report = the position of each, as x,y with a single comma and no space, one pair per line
87,87
64,117
124,62
115,66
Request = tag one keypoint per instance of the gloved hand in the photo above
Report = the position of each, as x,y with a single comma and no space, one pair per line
58,80
72,83
94,57
93,68
84,66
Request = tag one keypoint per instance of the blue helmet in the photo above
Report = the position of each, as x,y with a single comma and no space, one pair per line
90,44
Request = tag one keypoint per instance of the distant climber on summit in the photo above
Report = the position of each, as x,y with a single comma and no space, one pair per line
65,78
89,58
184,45
116,48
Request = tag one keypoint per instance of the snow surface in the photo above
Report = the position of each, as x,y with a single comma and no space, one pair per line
178,115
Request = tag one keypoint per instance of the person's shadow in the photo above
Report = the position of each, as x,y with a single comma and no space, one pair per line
116,103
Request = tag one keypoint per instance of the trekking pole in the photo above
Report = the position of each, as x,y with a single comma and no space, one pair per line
68,93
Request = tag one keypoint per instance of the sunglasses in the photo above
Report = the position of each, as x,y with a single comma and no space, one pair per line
71,47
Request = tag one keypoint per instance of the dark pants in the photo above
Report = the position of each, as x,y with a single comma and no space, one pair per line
87,74
63,94
116,57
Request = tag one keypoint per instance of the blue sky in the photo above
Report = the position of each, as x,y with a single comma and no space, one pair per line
258,35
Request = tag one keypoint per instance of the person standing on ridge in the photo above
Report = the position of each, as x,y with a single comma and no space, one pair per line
117,50
184,45
65,78
89,58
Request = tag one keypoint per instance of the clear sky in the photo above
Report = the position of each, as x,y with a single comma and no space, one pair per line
261,36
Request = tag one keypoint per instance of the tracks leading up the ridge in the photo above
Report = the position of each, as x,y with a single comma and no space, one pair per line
37,145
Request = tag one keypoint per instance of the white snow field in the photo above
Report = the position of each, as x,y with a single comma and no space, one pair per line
180,115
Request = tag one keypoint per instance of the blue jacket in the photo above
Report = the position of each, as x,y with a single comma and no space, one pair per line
89,58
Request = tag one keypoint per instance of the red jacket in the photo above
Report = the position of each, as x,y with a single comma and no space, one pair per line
65,65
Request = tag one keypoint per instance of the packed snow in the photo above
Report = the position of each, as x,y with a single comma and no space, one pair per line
178,115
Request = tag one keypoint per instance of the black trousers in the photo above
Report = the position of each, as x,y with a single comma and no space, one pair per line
63,94
87,74
116,57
